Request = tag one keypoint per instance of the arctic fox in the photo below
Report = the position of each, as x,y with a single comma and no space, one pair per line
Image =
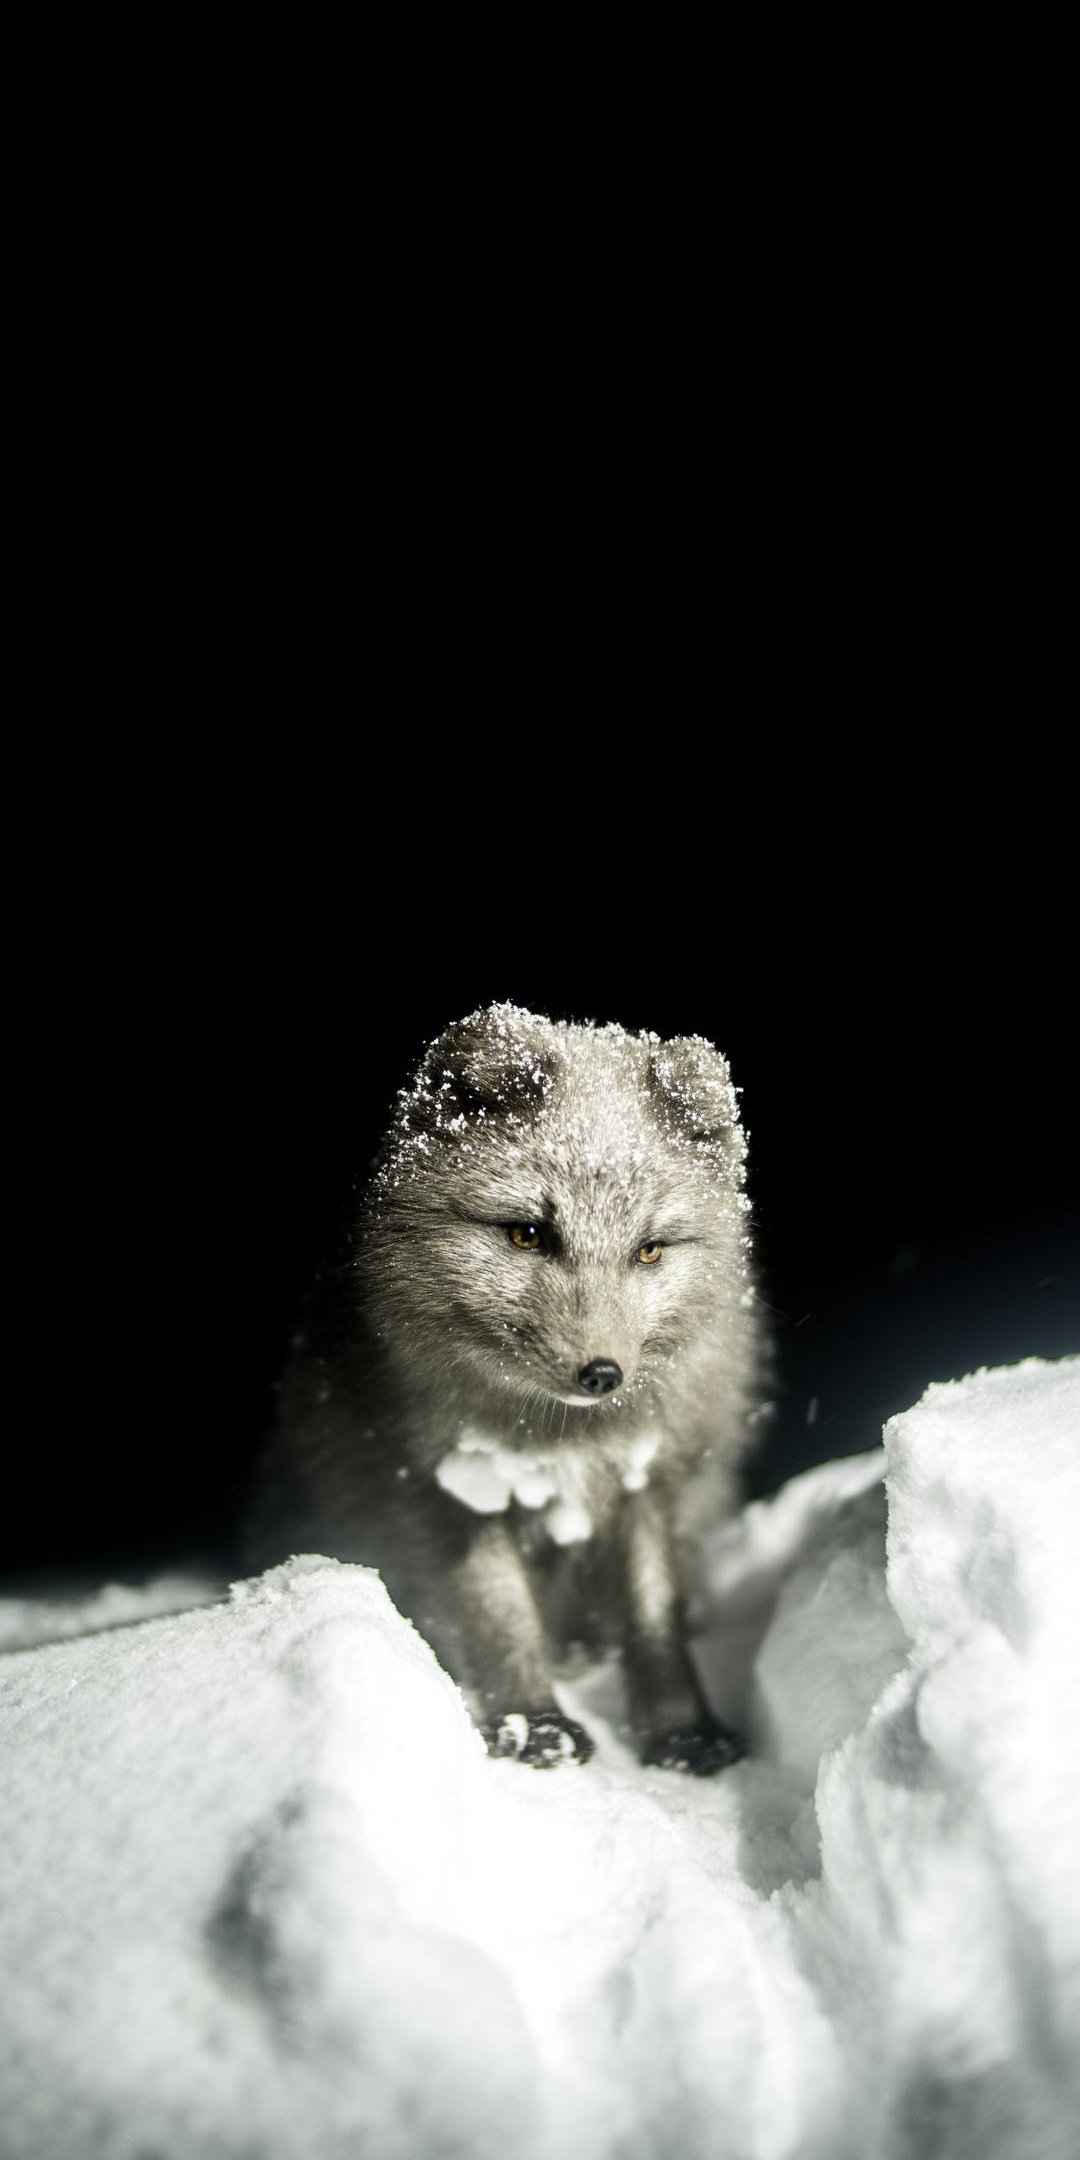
544,1327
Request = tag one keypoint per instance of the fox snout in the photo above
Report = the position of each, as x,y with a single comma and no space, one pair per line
594,1379
601,1376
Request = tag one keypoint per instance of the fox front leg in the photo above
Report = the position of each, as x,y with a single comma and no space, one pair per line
672,1722
505,1655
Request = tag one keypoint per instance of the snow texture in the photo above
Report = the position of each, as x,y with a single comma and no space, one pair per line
262,1893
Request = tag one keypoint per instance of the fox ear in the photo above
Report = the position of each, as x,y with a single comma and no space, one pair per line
499,1063
692,1090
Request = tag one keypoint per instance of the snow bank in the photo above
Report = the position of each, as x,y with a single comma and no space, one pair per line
263,1894
25,1622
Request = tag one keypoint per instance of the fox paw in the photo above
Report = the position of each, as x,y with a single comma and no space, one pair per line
543,1738
702,1749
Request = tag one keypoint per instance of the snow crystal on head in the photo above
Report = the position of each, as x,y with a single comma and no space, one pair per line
501,1068
698,1102
492,1068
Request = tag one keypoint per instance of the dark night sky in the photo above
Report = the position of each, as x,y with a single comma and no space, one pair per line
705,687
239,1022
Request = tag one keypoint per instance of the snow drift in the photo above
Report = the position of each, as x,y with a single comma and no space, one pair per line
263,1894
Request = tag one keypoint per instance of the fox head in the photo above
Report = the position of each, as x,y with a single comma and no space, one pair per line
558,1211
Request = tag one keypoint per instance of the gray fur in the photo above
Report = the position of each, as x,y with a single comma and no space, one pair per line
443,1352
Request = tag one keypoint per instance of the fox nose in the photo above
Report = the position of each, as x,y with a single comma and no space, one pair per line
600,1376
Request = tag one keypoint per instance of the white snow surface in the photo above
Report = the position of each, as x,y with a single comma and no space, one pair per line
263,1894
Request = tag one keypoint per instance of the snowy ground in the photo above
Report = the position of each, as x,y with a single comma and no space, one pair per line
263,1894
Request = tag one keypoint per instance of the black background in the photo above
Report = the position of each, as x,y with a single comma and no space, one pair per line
629,603
252,977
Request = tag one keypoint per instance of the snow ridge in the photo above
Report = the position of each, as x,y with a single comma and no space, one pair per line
262,1893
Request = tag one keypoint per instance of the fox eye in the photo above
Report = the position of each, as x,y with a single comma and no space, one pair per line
650,1253
525,1236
